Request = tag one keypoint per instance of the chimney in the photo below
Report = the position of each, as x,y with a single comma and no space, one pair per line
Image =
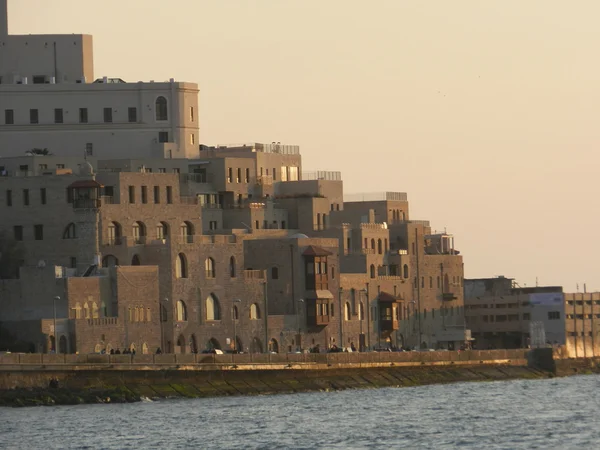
3,18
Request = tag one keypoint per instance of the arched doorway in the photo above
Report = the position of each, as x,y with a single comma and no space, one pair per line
135,261
180,344
213,344
62,344
193,344
256,346
273,346
110,261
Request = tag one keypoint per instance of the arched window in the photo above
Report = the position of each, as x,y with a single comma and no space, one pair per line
162,112
162,231
181,266
95,310
148,316
181,311
144,349
114,233
254,312
347,313
135,261
379,247
70,232
373,244
103,309
213,310
110,261
372,271
186,230
139,233
86,311
405,274
209,267
77,310
361,312
274,273
136,314
232,267
385,246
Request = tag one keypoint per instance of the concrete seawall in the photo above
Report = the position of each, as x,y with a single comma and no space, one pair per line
126,378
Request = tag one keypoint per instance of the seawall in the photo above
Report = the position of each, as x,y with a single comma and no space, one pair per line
25,379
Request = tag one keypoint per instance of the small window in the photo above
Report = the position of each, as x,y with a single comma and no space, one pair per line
169,194
161,109
9,117
83,115
274,273
553,315
34,116
43,196
192,139
89,149
191,113
73,262
26,197
9,198
131,194
247,176
18,232
144,194
132,114
60,166
58,115
38,232
156,194
108,115
163,136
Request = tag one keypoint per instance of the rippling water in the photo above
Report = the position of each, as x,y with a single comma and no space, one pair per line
560,413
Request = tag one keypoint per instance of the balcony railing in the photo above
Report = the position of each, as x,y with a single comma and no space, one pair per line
115,240
139,240
322,175
254,274
86,203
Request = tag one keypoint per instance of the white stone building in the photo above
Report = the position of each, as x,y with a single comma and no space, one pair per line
48,91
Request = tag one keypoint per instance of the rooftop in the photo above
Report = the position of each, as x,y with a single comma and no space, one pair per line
376,197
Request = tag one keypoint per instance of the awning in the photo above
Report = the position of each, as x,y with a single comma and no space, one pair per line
313,250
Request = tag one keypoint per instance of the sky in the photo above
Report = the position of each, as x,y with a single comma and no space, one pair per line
483,112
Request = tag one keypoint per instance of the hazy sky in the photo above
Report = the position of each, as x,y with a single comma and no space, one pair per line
484,112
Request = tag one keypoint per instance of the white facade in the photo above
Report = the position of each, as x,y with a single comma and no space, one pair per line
48,99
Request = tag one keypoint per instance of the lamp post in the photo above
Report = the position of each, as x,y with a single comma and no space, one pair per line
300,307
54,311
233,313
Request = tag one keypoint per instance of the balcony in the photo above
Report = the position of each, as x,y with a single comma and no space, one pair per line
317,312
389,324
114,240
254,275
139,240
449,296
86,203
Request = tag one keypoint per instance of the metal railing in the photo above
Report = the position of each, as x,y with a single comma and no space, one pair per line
376,197
322,175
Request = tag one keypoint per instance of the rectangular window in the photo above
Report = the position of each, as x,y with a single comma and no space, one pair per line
192,138
169,194
144,194
43,195
176,170
73,262
229,175
553,315
60,166
34,116
58,115
108,115
26,197
283,173
238,179
89,149
83,115
8,197
162,170
191,113
163,136
9,117
275,176
38,232
132,114
131,194
156,194
18,232
247,175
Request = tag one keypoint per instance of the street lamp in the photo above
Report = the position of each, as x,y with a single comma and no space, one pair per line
233,313
300,307
54,310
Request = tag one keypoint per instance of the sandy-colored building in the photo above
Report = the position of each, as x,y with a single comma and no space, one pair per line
582,324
